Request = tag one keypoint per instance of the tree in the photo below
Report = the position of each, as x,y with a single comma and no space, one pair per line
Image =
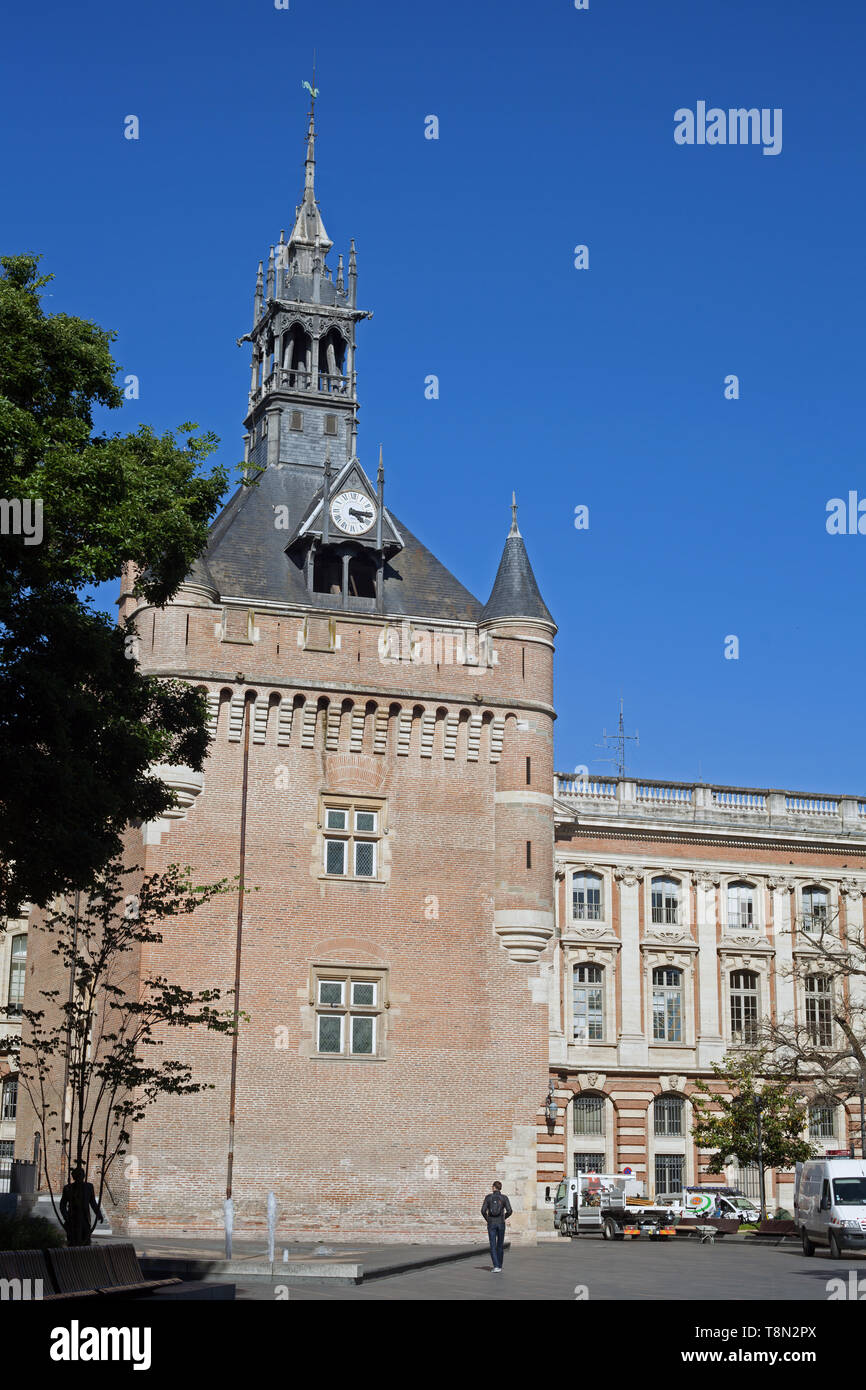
726,1121
80,725
823,1046
90,1061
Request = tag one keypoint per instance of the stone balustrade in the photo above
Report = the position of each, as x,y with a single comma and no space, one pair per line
628,798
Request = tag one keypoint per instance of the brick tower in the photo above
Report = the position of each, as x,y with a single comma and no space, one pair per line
381,773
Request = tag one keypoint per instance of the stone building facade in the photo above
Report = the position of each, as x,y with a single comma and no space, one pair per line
435,927
682,912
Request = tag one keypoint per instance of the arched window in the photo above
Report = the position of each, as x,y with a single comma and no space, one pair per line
744,1006
668,1111
741,905
332,355
297,352
665,900
819,1010
588,1115
667,1004
816,910
588,1003
586,898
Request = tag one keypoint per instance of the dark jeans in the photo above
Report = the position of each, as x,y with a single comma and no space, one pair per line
496,1235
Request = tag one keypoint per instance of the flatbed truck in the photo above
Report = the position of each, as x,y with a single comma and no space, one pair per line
599,1202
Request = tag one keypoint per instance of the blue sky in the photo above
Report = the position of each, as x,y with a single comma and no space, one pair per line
602,387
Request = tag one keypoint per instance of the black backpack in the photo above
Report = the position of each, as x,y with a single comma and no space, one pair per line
495,1206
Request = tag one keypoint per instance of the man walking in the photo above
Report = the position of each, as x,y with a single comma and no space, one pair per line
496,1210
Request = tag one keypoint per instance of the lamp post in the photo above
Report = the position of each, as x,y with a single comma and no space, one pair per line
759,1105
862,1113
551,1109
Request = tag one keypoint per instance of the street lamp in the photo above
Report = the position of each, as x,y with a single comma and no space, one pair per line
551,1109
759,1106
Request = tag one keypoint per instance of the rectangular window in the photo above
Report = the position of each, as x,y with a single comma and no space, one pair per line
668,1114
588,1163
822,1122
529,854
349,1011
17,974
588,1003
9,1105
669,1174
667,1006
297,420
351,836
819,1001
588,1115
330,424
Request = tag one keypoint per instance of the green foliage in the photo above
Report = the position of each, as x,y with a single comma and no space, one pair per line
80,725
29,1233
728,1123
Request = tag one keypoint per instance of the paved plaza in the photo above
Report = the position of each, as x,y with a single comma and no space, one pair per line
592,1269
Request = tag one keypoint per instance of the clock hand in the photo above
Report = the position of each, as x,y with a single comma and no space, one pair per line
362,516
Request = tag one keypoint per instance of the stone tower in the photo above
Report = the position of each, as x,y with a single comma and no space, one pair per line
381,773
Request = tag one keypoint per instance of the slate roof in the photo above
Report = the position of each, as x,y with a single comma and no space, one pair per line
246,555
515,593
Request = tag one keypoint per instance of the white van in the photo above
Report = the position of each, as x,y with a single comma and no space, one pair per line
830,1204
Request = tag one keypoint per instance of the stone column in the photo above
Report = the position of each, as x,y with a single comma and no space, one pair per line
711,1045
632,1043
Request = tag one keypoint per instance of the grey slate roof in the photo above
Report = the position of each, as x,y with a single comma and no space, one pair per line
246,555
515,593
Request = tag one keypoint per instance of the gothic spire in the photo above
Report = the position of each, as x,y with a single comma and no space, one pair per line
308,224
515,592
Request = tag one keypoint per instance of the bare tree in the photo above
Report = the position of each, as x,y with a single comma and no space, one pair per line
90,1060
821,1047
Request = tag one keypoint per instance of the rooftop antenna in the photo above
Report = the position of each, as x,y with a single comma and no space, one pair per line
618,740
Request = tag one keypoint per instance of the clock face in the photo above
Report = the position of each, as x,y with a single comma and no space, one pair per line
353,512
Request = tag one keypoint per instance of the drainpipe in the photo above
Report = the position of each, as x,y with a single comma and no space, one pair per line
238,944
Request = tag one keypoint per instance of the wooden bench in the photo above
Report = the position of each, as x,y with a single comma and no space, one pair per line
111,1271
81,1271
31,1265
777,1228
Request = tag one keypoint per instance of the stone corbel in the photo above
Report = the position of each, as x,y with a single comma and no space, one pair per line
703,879
523,933
628,875
187,785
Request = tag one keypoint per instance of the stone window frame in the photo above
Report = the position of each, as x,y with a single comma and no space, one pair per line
587,871
604,957
745,880
832,891
682,878
833,1110
664,1145
351,974
17,967
656,958
818,969
352,804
